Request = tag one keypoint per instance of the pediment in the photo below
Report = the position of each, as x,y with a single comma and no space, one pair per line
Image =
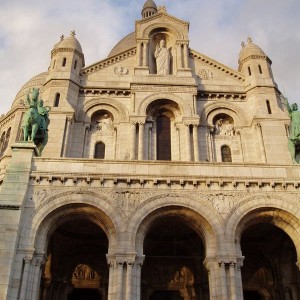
212,66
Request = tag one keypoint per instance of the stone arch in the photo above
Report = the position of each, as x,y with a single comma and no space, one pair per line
184,108
239,116
162,26
55,210
276,211
117,109
190,210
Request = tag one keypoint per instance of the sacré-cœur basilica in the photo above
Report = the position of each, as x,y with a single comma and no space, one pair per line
154,173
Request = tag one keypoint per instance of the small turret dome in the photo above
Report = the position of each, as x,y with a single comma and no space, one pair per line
149,9
69,42
250,50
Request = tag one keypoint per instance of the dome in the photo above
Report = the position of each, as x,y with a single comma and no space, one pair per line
124,44
249,50
35,82
149,4
149,9
69,42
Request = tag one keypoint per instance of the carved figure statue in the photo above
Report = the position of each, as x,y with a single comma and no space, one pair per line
294,137
35,121
162,57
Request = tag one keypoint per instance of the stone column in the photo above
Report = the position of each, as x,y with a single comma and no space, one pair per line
133,141
196,142
223,280
138,53
38,260
188,142
111,266
179,56
232,275
141,141
129,281
145,54
239,283
119,278
25,276
186,55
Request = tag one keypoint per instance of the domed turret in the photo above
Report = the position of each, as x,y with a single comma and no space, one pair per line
249,50
67,60
254,64
67,57
69,42
149,9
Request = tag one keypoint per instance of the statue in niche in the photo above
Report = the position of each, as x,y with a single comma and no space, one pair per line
294,137
103,125
224,127
162,57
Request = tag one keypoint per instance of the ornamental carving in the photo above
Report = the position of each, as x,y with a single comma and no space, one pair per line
205,74
121,71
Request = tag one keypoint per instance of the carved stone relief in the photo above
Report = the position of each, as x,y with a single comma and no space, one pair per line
102,124
224,126
120,70
205,74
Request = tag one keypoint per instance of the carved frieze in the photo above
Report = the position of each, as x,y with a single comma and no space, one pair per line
164,89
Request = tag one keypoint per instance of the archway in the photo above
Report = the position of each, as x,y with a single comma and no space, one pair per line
173,267
269,271
76,266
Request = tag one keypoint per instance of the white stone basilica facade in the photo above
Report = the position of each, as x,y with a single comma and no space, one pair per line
166,176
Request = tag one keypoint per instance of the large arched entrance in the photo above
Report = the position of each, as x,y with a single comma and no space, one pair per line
173,267
76,266
269,271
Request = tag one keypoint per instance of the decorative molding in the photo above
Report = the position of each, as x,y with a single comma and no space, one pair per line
165,89
10,207
166,79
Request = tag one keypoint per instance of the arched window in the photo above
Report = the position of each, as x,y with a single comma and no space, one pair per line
2,142
163,142
57,98
54,64
7,137
75,64
64,62
226,154
249,71
99,150
268,107
260,70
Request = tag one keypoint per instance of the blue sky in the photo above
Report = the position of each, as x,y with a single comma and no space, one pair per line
29,29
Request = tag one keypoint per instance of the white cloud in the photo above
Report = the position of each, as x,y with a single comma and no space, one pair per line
29,30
